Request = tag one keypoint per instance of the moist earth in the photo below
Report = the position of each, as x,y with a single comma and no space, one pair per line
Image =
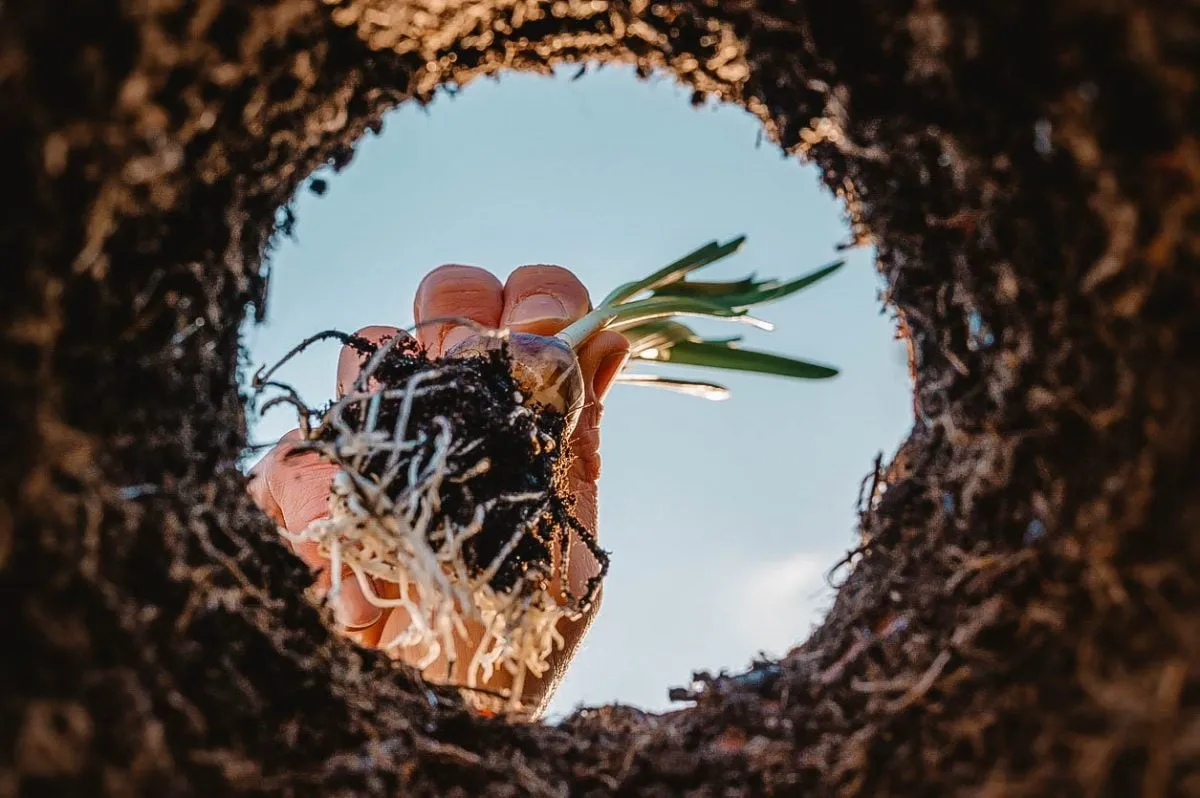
1020,612
522,449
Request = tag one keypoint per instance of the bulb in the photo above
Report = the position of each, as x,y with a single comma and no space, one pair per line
544,367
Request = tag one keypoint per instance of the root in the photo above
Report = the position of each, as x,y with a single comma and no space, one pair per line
386,526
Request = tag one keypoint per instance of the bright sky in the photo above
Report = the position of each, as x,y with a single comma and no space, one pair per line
722,517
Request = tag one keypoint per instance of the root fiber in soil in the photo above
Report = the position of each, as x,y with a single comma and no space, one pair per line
452,488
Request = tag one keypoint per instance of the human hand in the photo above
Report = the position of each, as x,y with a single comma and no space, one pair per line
294,490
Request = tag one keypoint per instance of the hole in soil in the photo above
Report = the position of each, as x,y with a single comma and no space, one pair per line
722,518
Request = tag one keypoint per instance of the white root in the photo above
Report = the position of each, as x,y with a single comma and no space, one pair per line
455,616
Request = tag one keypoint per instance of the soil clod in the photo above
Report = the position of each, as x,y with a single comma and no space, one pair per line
452,488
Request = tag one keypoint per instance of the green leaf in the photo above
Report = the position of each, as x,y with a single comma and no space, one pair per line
714,289
673,272
635,313
722,356
761,296
698,388
656,334
747,292
735,339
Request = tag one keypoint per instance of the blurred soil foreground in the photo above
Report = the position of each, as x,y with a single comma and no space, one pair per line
1024,615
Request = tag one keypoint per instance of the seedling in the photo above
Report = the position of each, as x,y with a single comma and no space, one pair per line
645,311
451,502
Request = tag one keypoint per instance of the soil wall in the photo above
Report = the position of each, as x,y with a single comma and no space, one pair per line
1024,616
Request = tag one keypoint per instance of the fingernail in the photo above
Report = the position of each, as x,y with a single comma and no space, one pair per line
456,336
352,609
538,307
606,373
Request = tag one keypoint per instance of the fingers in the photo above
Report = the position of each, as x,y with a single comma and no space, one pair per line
601,358
351,608
543,300
351,361
397,623
293,490
536,299
300,484
260,491
458,292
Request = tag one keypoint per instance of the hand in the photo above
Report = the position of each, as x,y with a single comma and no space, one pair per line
294,491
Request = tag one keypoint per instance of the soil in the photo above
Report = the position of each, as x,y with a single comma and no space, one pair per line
524,447
1021,615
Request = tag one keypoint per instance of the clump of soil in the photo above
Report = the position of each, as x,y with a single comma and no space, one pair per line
509,450
452,488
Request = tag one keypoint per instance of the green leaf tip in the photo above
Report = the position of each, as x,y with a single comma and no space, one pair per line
708,254
646,311
720,355
698,388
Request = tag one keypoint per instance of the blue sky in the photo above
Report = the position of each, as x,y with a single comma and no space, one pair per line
722,517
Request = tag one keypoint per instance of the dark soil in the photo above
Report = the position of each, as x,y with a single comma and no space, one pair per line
526,453
1023,615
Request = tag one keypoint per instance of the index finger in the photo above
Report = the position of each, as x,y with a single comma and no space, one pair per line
351,360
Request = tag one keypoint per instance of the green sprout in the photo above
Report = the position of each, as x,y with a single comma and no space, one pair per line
645,311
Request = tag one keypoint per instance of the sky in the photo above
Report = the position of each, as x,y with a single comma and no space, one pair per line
722,518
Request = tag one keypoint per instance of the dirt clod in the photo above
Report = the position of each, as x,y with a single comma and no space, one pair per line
503,455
